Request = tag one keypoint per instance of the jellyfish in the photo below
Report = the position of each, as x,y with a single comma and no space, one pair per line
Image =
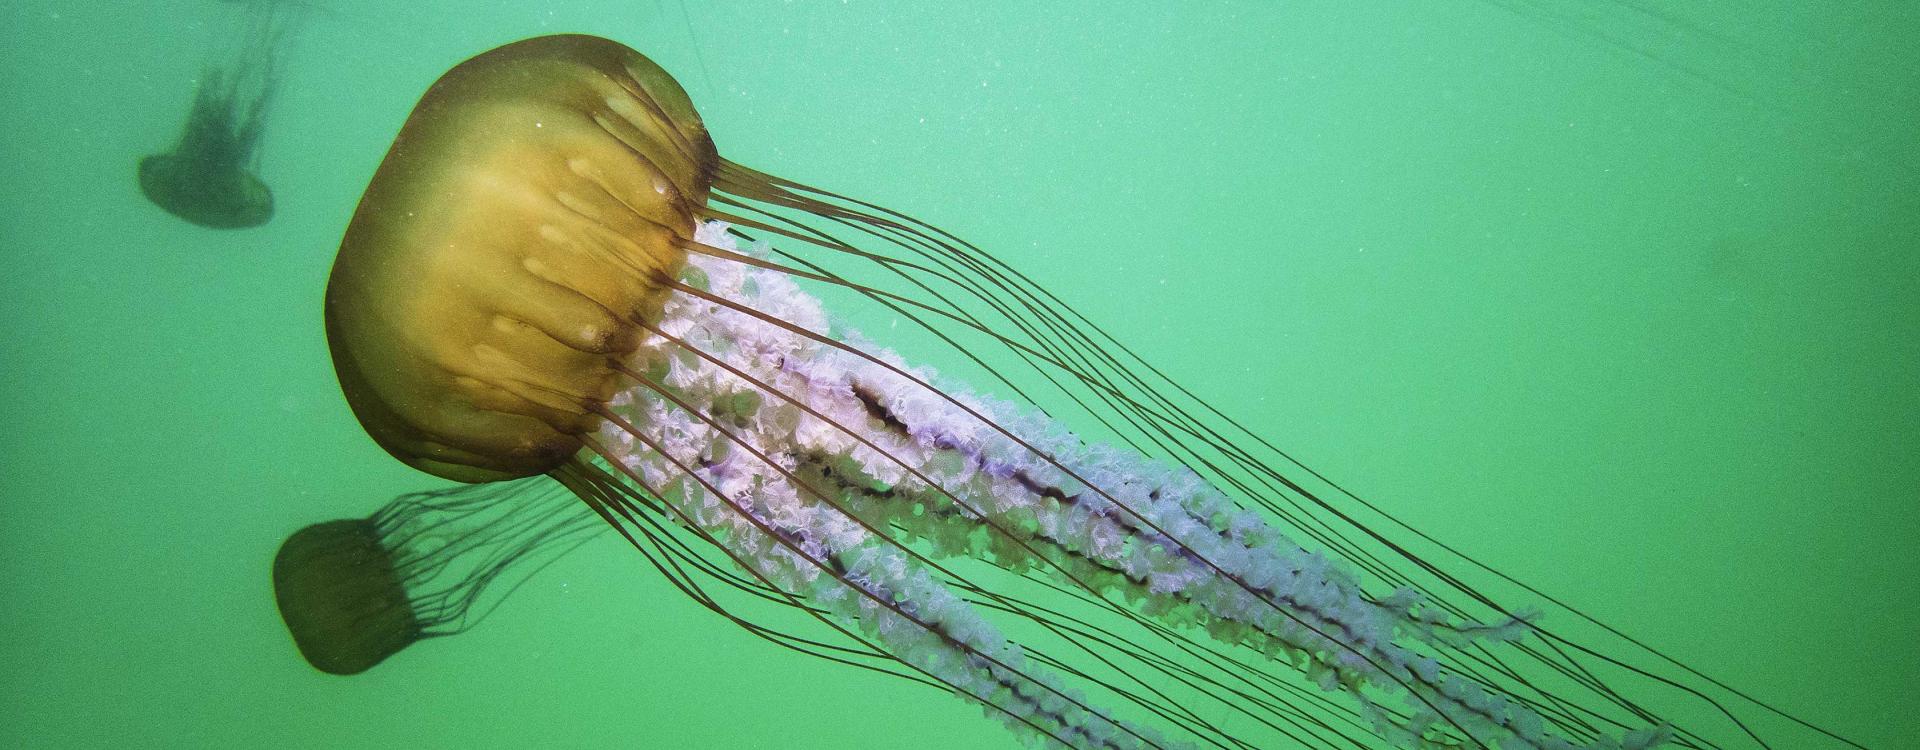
355,591
210,176
554,273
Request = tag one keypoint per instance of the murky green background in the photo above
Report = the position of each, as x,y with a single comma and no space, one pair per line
1621,299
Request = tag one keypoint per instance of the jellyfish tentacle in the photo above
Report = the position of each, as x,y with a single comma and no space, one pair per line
970,411
653,419
1106,391
614,502
744,181
965,518
1496,716
1353,665
820,468
1556,660
822,473
1307,584
886,572
660,419
1037,302
1354,649
843,527
777,321
893,300
1259,685
801,551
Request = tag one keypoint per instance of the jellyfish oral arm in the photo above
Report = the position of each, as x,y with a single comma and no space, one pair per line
738,389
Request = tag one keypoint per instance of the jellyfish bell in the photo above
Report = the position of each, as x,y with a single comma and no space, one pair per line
511,277
503,250
340,595
553,272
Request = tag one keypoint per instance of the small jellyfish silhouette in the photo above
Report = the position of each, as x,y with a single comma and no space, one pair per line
355,591
210,176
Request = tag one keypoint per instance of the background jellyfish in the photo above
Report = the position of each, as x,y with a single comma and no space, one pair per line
606,329
210,176
356,591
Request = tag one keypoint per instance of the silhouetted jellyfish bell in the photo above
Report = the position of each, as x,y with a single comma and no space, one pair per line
210,176
355,591
553,272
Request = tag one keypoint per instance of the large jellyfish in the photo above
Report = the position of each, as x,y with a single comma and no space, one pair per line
554,273
210,176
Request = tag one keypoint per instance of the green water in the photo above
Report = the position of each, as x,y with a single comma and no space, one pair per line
1622,302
